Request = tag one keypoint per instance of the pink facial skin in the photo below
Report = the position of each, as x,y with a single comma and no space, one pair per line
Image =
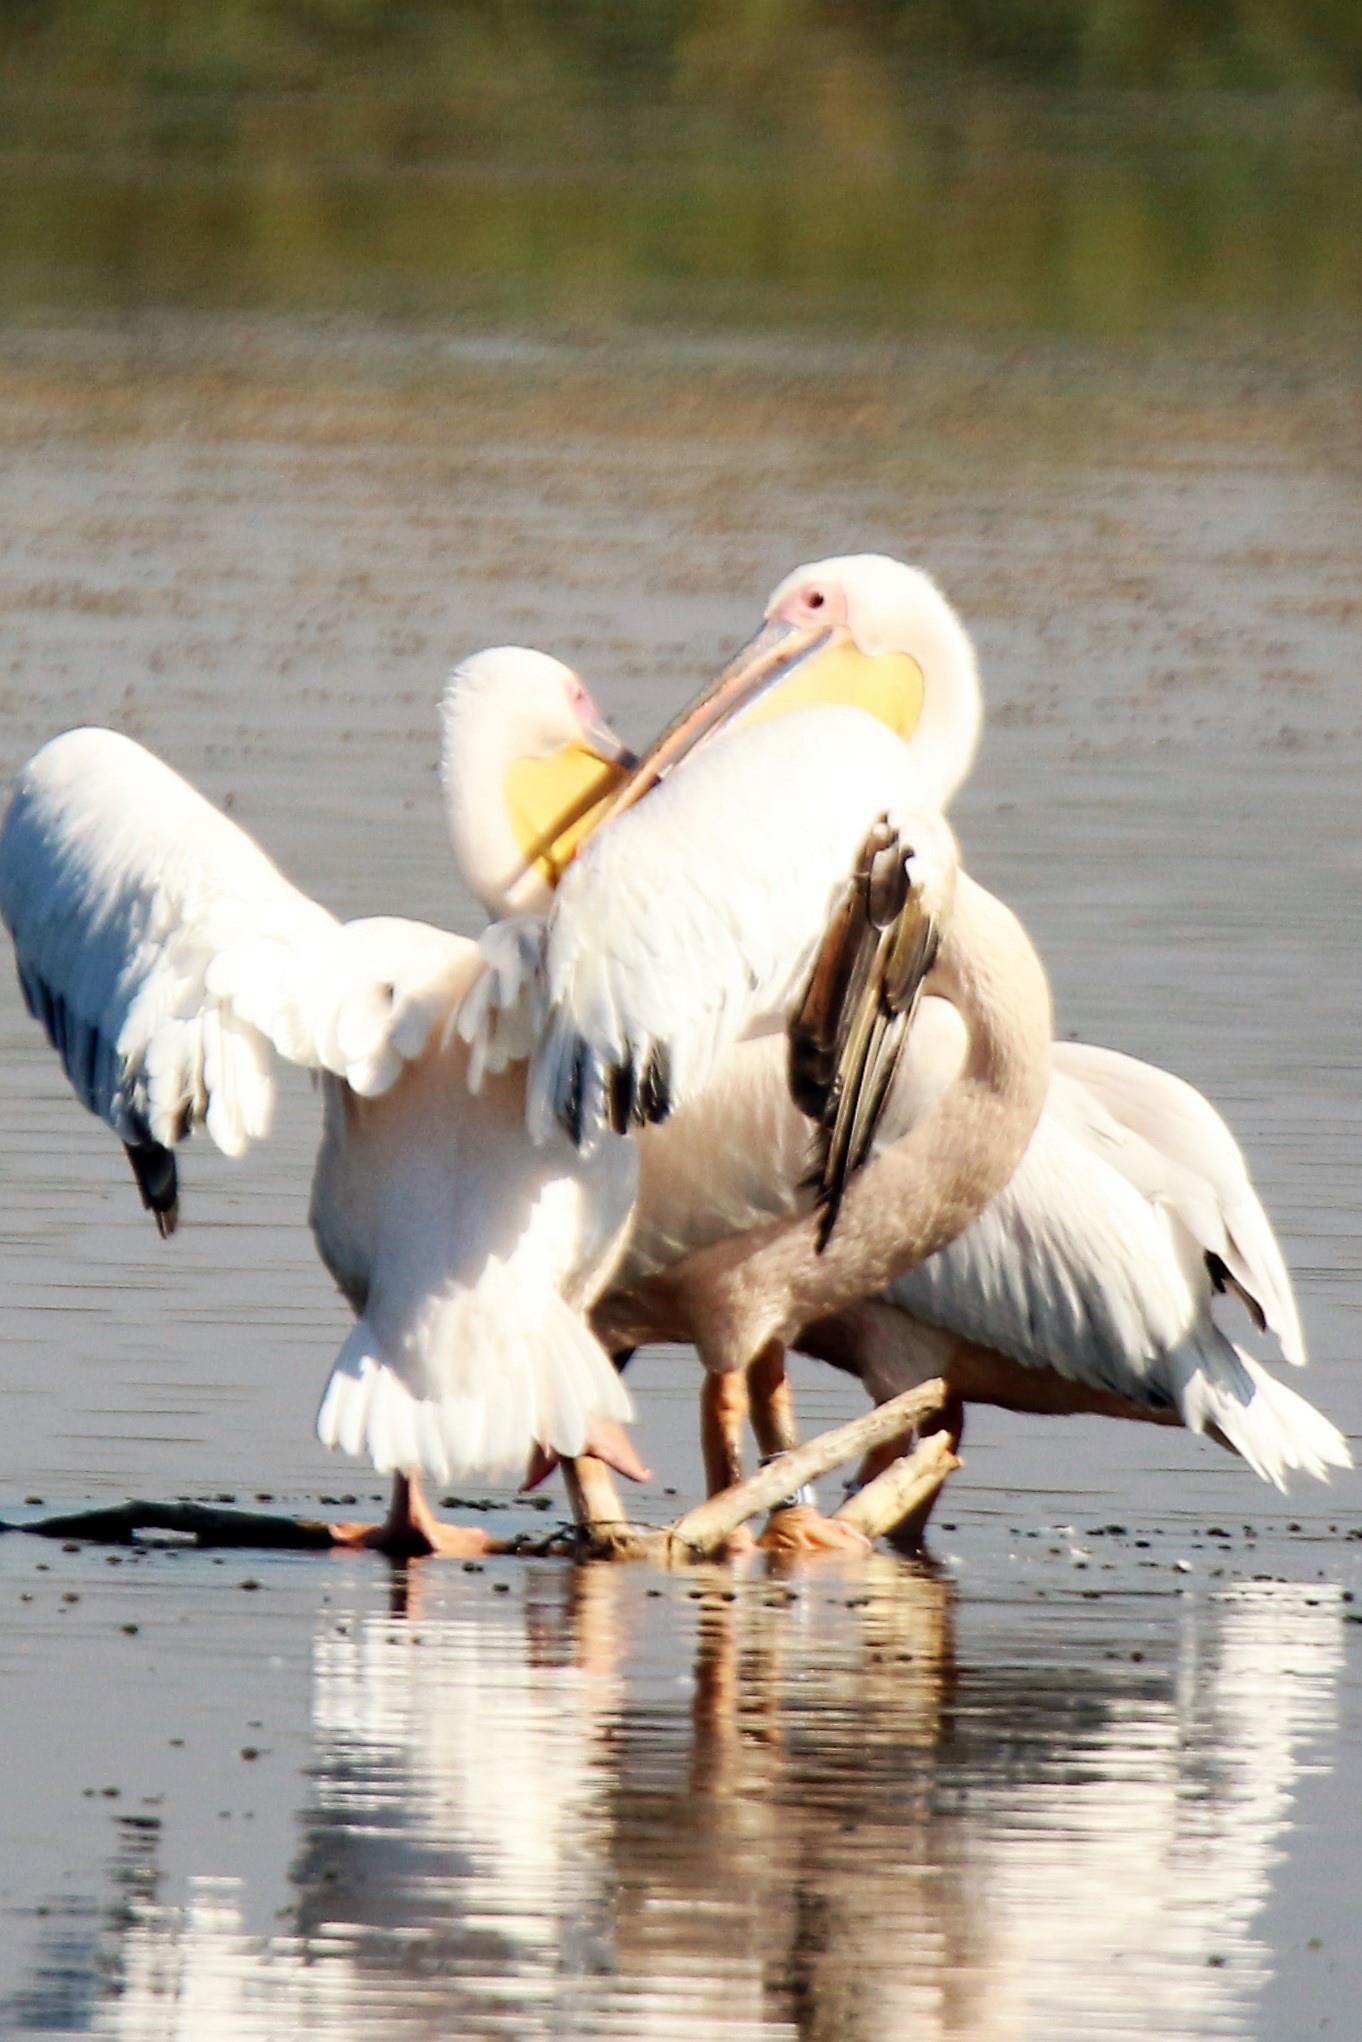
813,602
581,704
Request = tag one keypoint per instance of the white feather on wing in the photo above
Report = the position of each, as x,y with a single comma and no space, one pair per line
166,955
1181,1154
1092,1263
170,962
692,920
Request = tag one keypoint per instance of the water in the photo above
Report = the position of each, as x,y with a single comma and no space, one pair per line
598,1803
336,344
1094,1771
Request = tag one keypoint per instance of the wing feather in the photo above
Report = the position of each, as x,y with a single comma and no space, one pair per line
1176,1147
694,918
168,958
1077,1267
848,1032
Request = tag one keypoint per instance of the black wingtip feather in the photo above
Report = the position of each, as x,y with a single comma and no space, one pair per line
158,1180
654,1098
1224,1280
622,1096
571,1114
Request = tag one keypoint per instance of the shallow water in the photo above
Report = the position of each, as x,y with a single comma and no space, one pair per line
595,1803
1095,1772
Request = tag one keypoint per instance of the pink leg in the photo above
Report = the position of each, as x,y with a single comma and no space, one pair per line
411,1529
797,1528
723,1412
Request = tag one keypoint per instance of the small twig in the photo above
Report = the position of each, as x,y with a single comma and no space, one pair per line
701,1532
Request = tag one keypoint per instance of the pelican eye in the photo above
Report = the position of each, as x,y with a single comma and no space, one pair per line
815,599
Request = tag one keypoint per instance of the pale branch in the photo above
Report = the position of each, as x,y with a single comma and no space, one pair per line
702,1531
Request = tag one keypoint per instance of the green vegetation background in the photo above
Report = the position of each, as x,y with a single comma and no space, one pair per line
1070,164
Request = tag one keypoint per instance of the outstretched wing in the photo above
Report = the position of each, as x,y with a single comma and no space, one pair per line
167,956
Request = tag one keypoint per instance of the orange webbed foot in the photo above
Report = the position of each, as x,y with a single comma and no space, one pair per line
412,1531
799,1531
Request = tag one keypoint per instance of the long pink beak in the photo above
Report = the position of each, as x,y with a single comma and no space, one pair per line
766,660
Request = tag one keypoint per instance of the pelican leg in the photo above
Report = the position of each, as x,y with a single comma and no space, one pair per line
606,1441
723,1413
592,1495
411,1530
595,1502
773,1418
797,1527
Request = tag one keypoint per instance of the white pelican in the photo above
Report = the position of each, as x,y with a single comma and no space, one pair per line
1090,1283
691,920
170,961
695,917
1123,1156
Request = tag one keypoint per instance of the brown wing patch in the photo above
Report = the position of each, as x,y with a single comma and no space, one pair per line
847,1033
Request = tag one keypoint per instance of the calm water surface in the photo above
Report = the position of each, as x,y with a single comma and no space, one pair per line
1092,1773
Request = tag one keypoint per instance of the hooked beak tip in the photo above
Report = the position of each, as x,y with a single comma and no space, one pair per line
601,741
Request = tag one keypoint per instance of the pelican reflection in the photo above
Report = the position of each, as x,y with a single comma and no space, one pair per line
843,1806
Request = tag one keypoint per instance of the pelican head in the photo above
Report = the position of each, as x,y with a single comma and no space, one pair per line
527,762
859,629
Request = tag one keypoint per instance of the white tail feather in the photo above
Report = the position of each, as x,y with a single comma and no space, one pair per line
499,1380
1273,1428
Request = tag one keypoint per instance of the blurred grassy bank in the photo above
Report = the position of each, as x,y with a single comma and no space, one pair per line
1074,166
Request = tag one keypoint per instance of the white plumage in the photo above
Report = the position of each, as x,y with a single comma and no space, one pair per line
1175,1148
692,919
171,963
468,1257
1101,1261
1090,1281
127,893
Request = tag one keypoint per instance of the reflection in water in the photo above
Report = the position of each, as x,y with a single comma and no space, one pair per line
517,1823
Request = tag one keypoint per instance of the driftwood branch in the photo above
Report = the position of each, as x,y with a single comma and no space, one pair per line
208,1524
905,1486
702,1531
698,1534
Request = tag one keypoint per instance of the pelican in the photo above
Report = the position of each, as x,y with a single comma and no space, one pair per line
171,963
724,1253
692,919
695,917
696,920
1131,1187
1092,1282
